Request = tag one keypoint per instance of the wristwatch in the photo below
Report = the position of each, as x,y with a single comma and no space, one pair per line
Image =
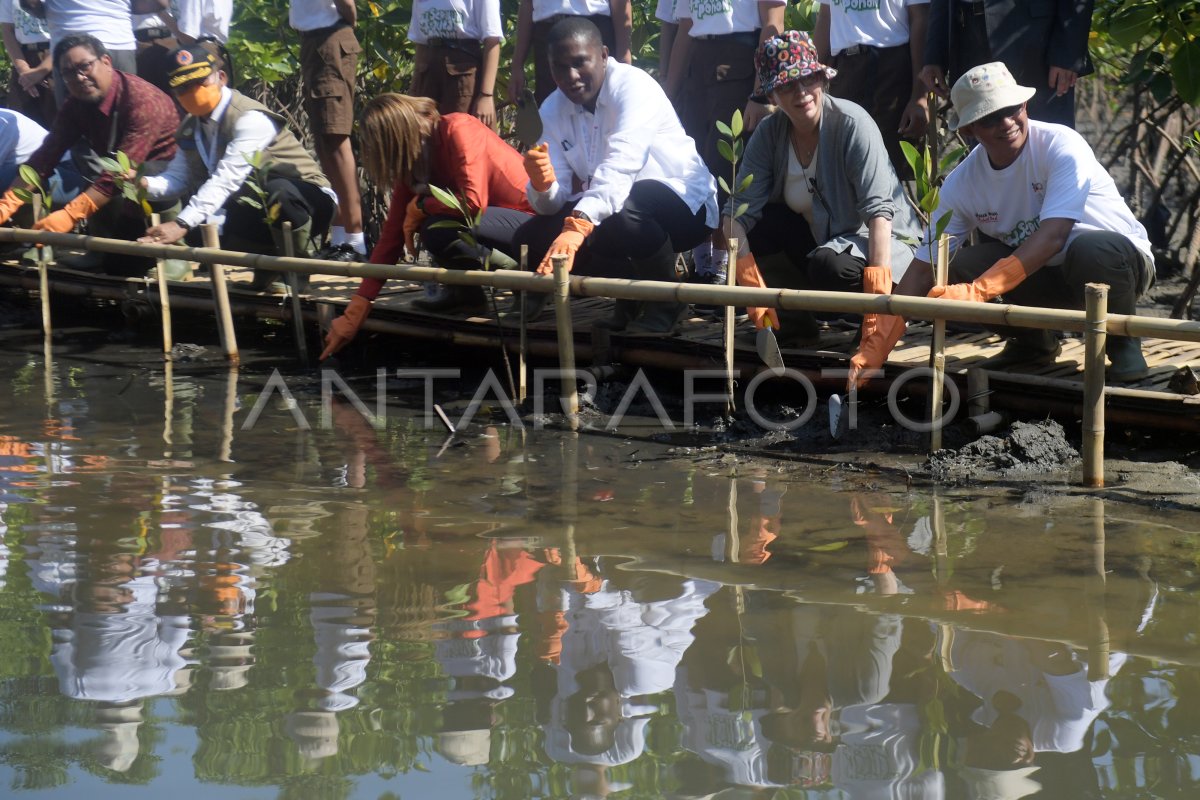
185,225
582,216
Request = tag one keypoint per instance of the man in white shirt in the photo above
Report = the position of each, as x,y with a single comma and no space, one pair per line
222,129
1052,221
328,70
878,50
618,185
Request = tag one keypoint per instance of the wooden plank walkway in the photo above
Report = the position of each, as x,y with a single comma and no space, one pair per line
697,344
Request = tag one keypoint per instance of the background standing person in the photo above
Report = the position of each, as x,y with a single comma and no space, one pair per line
329,68
458,55
878,51
27,42
109,21
1044,45
192,20
535,18
711,75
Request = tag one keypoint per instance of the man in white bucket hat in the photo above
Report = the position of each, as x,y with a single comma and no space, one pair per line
1050,218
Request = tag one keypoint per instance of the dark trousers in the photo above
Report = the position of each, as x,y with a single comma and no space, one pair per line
43,108
880,80
1094,257
447,74
652,216
543,81
719,81
497,230
299,202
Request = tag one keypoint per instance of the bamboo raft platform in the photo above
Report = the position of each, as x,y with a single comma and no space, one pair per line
698,344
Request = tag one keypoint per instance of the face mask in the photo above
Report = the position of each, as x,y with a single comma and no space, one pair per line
201,100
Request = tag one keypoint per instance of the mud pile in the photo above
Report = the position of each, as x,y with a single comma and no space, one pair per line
1029,448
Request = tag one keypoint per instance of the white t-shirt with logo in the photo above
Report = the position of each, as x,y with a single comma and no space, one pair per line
197,18
666,11
110,21
311,15
878,23
718,17
1056,176
19,137
455,19
28,28
542,9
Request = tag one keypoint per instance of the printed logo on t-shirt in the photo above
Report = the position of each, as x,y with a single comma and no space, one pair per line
857,5
703,9
440,23
986,217
1038,187
1022,231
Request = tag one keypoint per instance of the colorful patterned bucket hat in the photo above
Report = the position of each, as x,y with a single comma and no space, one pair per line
785,59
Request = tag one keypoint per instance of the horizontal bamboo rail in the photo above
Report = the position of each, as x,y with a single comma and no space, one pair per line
654,291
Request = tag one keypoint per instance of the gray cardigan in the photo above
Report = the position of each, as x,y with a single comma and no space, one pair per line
855,181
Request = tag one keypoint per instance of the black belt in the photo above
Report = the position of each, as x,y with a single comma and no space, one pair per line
469,45
745,38
856,50
152,34
976,9
35,50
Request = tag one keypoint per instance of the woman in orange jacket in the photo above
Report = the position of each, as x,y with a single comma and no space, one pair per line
408,145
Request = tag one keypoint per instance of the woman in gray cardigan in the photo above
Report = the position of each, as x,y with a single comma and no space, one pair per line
824,209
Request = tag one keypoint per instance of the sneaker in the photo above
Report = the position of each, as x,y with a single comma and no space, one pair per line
343,252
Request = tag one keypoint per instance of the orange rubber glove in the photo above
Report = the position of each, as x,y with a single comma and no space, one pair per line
748,275
63,220
877,280
874,349
9,205
574,231
538,167
1003,276
345,327
413,217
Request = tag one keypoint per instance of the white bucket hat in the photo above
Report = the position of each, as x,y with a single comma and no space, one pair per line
984,89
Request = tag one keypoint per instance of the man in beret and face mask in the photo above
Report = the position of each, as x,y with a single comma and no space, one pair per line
222,132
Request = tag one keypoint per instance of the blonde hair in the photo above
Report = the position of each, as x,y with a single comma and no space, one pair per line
394,130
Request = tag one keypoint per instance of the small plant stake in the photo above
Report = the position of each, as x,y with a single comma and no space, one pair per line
164,298
730,146
221,297
293,284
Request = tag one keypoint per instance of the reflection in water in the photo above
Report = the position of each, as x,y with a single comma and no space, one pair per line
360,610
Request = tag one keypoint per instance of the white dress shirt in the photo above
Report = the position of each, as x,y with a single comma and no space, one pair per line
634,135
227,171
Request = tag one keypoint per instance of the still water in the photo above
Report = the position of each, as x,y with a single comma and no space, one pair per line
192,609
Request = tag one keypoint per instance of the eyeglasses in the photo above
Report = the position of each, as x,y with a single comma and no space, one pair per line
996,117
807,83
80,70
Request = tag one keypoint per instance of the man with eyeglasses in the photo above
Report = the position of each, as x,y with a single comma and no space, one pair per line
107,111
1051,221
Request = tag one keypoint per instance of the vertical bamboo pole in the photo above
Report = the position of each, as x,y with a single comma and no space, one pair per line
937,349
566,338
733,543
43,273
221,295
164,297
1095,335
977,392
730,313
569,503
168,408
941,573
1099,643
293,284
523,342
230,407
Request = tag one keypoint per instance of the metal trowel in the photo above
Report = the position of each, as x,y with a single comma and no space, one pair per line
768,347
839,417
529,120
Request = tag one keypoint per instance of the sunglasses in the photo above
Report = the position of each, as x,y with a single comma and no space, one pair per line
996,117
807,82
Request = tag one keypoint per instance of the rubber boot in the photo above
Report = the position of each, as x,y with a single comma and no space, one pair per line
657,319
1025,347
624,313
1128,363
302,247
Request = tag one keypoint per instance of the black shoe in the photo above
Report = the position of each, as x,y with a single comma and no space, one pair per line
535,304
1025,351
343,252
710,279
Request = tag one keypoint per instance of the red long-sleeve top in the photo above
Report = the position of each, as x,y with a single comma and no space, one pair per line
467,159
